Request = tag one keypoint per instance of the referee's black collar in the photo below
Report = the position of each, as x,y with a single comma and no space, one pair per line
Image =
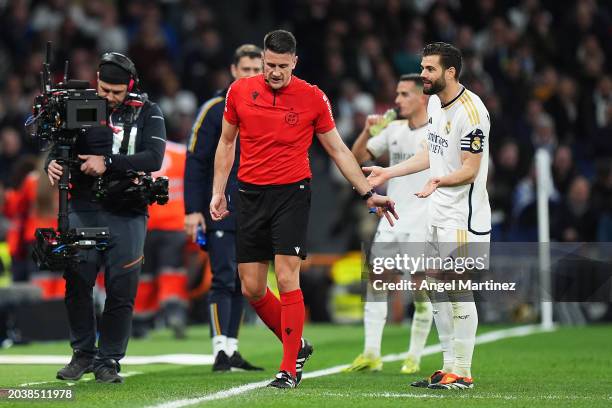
455,98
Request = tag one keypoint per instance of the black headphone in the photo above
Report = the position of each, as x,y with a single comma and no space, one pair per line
124,63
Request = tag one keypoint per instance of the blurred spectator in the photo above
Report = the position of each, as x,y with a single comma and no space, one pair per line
112,36
178,105
10,150
49,15
150,48
575,220
367,60
202,55
543,134
542,37
521,14
602,200
14,104
546,84
603,135
564,108
507,175
16,32
563,169
524,208
353,106
408,58
596,107
442,24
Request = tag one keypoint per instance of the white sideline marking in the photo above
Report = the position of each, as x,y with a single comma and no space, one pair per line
71,383
466,395
180,359
482,339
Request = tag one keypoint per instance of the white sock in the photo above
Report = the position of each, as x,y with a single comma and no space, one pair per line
232,346
421,325
374,319
443,316
465,316
219,343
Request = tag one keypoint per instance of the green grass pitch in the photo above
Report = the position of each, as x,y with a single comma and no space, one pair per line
569,367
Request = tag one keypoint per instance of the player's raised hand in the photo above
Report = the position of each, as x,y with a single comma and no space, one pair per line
218,207
377,175
429,188
384,206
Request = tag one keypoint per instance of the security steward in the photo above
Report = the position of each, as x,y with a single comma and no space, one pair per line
134,140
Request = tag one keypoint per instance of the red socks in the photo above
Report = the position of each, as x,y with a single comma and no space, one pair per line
292,323
268,308
286,319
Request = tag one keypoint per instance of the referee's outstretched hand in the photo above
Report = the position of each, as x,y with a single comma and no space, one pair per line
384,206
218,207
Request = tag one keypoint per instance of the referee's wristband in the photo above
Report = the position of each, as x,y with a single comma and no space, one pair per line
366,196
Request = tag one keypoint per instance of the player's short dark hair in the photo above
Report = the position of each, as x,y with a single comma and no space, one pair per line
416,78
246,50
450,56
280,42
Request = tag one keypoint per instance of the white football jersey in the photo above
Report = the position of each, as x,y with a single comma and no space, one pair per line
461,125
402,143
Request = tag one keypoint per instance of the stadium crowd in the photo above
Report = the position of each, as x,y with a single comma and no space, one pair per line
542,67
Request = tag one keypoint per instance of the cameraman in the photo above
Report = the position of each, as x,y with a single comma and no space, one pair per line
134,141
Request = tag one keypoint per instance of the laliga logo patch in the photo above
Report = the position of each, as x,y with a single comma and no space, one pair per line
291,118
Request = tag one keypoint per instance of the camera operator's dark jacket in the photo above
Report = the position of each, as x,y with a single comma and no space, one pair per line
149,146
200,165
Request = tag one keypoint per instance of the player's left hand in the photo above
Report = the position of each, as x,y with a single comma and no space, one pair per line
92,165
429,188
384,206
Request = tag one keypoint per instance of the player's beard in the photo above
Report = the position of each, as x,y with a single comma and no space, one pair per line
436,86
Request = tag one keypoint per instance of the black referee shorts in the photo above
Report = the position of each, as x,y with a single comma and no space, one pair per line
272,220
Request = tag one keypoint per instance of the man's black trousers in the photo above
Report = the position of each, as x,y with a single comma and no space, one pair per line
122,261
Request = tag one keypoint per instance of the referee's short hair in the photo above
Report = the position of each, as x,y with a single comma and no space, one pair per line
246,50
280,42
416,78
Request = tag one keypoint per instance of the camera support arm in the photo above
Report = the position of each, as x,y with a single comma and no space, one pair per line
63,185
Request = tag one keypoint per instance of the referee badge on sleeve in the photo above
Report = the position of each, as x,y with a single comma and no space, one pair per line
473,142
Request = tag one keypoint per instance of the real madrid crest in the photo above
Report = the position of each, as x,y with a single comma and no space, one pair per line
447,128
476,143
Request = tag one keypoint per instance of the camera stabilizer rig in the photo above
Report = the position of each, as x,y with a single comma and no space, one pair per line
131,190
61,113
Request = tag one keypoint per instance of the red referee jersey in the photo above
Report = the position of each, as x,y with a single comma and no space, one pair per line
276,128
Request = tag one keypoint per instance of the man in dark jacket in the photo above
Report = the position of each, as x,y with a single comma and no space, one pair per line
134,141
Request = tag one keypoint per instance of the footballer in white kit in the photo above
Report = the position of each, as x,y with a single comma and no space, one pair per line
458,214
459,210
401,143
401,139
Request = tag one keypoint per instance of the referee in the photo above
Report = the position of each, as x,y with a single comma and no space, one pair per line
225,301
277,114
